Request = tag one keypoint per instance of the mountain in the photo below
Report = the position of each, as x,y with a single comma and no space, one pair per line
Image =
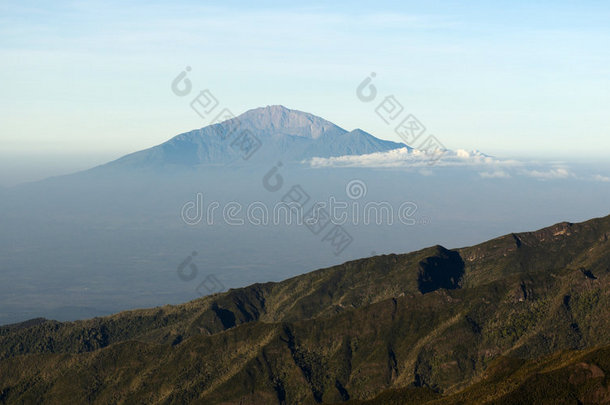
523,316
272,132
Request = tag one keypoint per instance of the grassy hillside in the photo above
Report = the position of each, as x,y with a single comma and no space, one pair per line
524,315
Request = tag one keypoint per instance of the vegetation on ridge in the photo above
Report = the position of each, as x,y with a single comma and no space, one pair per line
524,315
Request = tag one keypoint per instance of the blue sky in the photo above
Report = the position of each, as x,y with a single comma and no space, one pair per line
508,78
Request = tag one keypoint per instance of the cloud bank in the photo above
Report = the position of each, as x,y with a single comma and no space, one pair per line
487,167
405,157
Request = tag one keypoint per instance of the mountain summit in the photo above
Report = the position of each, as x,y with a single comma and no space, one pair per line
281,121
272,132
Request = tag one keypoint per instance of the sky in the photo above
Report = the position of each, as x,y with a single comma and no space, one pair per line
85,82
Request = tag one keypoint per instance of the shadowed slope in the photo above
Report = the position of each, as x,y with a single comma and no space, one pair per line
436,321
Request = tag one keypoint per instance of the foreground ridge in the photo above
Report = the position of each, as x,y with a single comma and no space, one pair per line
526,314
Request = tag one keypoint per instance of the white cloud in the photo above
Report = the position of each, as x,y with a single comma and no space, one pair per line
557,173
599,177
497,174
461,153
488,167
405,157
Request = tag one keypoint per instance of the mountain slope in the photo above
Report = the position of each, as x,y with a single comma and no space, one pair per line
276,131
570,377
436,321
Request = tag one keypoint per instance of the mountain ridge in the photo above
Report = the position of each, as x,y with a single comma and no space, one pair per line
275,131
433,321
